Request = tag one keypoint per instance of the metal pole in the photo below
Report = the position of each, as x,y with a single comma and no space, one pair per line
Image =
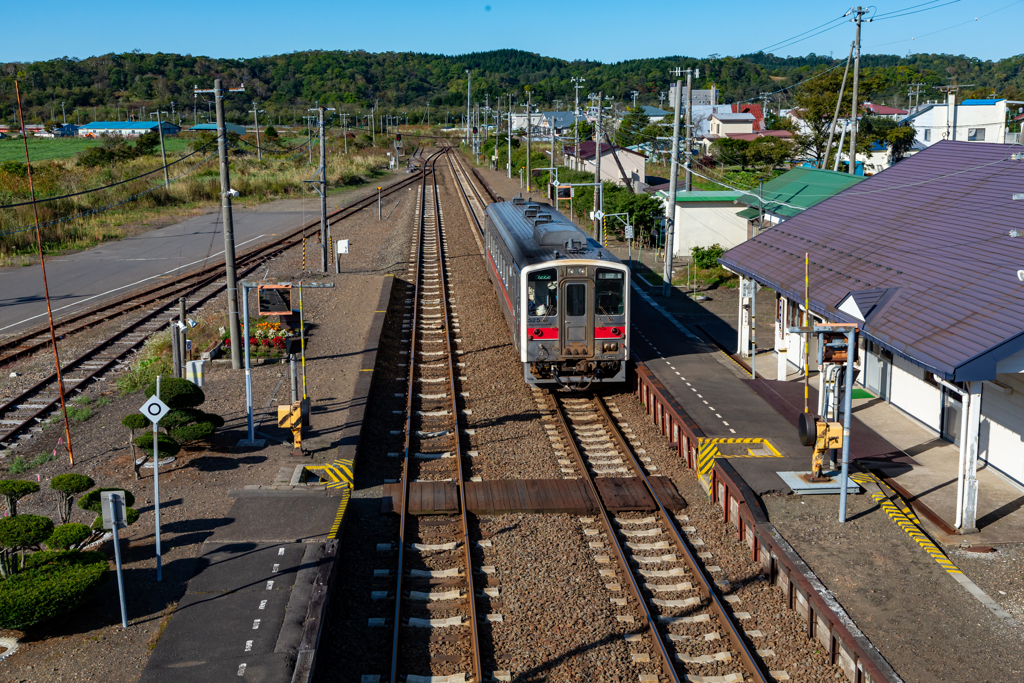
256,119
673,180
302,341
597,163
689,134
175,349
248,368
163,152
183,333
469,98
529,130
229,228
378,204
295,379
835,117
117,558
856,85
753,332
510,136
156,494
324,241
847,409
807,324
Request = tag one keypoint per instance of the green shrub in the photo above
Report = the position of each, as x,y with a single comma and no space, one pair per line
24,531
177,393
41,459
707,257
131,515
168,446
67,536
91,501
14,490
191,432
78,413
18,465
271,132
135,421
68,486
52,584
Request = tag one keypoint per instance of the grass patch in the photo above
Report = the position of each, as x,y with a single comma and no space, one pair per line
79,413
18,465
41,459
83,400
154,360
102,401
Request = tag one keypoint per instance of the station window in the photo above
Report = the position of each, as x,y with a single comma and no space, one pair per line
542,292
610,291
976,134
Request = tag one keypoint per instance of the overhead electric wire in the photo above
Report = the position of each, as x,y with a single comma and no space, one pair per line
895,15
800,40
775,45
942,30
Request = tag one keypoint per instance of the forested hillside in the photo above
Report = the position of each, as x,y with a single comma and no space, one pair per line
286,84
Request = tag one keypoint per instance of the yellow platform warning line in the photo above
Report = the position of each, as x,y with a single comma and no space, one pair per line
346,493
868,477
708,450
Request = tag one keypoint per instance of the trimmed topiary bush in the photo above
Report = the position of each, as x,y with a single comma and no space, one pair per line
14,490
131,515
177,393
68,537
168,446
52,584
68,486
91,501
18,534
191,432
135,421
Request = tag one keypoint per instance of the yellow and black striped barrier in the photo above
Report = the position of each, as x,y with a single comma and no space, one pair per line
735,447
340,475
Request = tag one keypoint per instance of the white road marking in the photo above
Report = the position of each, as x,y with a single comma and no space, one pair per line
725,423
276,569
280,551
241,669
248,646
263,604
270,585
255,624
118,289
733,431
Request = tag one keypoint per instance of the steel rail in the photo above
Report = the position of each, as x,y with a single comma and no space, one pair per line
20,344
464,514
706,584
613,540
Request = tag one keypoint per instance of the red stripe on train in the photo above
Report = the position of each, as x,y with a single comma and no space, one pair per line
608,332
542,332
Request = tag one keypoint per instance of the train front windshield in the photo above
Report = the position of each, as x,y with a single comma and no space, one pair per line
610,292
542,292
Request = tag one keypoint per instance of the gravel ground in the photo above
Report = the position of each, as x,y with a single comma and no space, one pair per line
89,644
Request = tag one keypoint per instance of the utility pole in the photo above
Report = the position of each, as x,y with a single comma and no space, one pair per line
673,179
344,130
321,187
577,86
598,189
229,227
858,19
839,102
469,98
634,94
529,127
689,148
373,124
163,152
510,136
256,119
63,113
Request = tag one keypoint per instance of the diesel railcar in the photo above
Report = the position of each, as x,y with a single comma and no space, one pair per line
565,297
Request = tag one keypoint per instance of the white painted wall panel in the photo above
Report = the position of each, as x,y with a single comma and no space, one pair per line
1002,422
911,394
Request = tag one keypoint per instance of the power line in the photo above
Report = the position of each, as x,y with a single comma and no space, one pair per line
894,15
781,42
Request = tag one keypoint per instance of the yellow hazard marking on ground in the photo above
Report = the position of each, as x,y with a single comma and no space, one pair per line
367,370
709,449
905,519
346,493
380,311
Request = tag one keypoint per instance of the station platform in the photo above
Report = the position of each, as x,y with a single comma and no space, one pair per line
719,394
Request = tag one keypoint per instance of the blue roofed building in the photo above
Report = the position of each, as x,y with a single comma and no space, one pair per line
971,120
127,129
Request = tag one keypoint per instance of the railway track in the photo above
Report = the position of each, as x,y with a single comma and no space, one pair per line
686,626
140,314
436,621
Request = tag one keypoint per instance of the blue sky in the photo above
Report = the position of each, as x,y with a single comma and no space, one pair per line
602,30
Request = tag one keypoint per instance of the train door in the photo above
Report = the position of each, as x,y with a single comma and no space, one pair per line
577,332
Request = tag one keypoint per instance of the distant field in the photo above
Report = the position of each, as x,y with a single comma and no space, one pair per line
60,148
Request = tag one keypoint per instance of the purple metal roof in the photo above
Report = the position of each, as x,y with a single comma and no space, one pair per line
935,227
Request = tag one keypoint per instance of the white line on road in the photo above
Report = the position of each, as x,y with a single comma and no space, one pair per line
118,289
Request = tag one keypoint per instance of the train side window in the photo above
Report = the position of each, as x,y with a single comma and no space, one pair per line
610,291
542,292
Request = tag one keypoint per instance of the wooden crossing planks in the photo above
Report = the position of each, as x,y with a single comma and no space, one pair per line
623,494
667,494
425,498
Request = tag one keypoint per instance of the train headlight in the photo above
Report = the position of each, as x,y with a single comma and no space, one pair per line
616,331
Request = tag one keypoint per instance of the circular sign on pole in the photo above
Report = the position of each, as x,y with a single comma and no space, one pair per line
154,409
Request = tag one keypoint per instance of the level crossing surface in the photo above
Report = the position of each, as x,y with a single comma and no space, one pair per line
113,269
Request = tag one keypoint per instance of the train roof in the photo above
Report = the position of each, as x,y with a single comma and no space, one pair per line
537,233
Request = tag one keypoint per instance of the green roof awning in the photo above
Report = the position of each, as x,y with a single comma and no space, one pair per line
749,214
799,189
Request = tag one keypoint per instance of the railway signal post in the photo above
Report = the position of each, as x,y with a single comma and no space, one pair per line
670,203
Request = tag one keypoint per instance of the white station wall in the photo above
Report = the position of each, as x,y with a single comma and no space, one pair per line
1000,440
912,394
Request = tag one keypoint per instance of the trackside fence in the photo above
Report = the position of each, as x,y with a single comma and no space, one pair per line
825,620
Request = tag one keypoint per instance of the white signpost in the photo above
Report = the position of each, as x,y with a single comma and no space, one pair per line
155,409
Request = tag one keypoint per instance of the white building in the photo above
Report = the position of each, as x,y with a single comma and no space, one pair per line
634,164
128,129
706,218
971,120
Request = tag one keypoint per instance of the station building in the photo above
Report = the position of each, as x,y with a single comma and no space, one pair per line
927,259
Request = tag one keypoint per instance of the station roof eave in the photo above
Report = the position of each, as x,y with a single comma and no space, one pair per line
934,231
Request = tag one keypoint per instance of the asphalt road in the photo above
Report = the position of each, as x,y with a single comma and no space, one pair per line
115,268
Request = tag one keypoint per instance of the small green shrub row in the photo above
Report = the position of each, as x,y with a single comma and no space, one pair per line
52,583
